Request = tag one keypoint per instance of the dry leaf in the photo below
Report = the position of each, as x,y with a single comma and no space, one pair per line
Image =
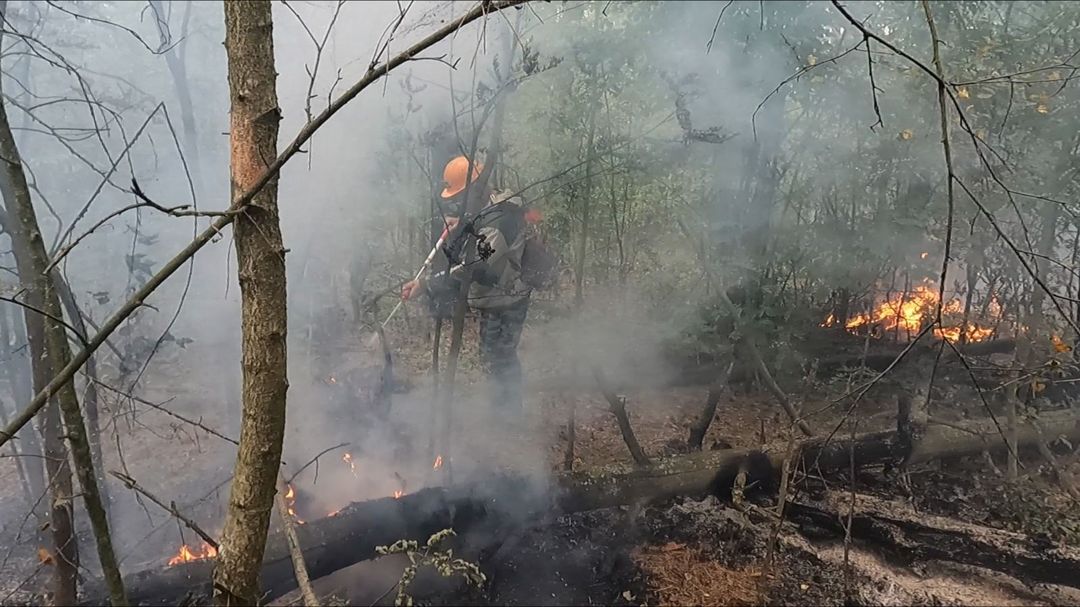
962,93
1042,108
1037,386
811,60
44,556
906,134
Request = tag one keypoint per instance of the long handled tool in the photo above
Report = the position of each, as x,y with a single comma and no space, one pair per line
423,268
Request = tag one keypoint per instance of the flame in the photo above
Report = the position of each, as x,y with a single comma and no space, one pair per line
186,554
290,504
348,459
438,463
911,311
973,332
398,493
923,255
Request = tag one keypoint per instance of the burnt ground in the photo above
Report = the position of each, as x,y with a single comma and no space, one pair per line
687,551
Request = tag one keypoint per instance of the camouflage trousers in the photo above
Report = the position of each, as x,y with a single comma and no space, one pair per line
500,332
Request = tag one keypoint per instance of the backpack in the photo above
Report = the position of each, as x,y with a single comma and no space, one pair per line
539,264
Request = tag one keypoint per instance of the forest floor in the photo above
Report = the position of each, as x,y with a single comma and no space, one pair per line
686,551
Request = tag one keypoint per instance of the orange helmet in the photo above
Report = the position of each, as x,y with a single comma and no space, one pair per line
454,176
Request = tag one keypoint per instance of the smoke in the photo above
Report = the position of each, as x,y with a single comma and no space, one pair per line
720,143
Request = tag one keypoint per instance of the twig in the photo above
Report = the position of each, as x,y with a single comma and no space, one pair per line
708,47
158,407
170,508
618,409
41,312
303,580
313,460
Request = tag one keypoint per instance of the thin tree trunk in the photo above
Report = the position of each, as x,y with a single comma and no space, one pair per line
32,261
17,376
260,258
90,395
476,196
586,203
177,65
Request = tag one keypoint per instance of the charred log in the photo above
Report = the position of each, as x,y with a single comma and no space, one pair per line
881,359
905,537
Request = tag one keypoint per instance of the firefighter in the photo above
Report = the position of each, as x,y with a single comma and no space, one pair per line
497,291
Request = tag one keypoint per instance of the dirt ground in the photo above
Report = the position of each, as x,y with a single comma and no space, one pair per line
687,552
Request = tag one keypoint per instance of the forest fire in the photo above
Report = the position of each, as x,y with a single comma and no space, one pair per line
187,555
909,311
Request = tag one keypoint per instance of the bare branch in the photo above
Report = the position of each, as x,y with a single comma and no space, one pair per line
170,507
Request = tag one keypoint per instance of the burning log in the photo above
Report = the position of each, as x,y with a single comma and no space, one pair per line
351,535
335,542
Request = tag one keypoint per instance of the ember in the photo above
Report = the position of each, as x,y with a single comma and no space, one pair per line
348,459
398,493
186,554
438,463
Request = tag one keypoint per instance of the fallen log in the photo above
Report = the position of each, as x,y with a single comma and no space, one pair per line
335,542
350,536
881,359
906,537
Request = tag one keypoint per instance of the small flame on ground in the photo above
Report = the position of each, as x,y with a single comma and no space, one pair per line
398,493
438,463
923,255
186,554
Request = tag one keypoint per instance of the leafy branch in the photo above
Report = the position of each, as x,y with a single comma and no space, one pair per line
430,555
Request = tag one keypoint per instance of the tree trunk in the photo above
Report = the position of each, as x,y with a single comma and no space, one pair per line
260,257
54,351
177,65
586,202
476,196
28,447
90,395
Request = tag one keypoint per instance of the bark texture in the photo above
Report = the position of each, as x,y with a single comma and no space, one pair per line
50,350
260,258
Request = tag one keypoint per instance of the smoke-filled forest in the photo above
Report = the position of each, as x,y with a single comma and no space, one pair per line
512,302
